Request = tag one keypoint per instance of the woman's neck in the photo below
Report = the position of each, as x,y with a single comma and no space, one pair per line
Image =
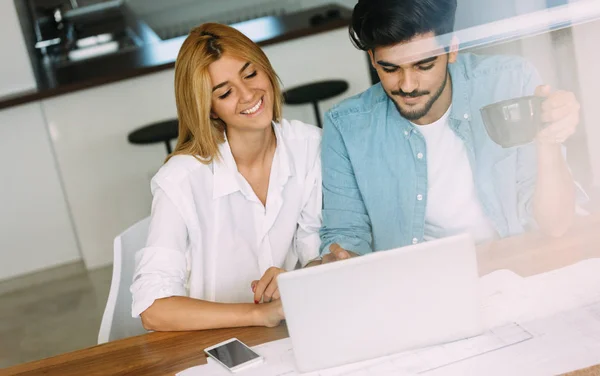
252,148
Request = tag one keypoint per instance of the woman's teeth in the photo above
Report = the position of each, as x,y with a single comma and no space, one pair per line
253,109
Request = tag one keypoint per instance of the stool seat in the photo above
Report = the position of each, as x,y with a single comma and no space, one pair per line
315,92
163,131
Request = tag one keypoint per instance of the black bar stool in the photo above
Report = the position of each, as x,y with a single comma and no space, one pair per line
163,131
315,92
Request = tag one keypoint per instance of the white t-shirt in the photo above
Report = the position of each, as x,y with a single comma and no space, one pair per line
452,203
210,236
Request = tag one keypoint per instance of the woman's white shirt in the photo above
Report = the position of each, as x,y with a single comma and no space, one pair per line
210,236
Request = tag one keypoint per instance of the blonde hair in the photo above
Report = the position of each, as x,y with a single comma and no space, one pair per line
199,134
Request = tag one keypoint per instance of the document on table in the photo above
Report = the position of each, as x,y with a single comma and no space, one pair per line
544,324
279,358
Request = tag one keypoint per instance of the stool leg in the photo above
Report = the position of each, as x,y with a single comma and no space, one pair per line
168,145
317,114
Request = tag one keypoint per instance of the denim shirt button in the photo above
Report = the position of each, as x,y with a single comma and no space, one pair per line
415,240
419,197
420,156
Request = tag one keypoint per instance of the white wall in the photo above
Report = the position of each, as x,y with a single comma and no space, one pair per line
35,229
106,179
16,74
587,54
319,57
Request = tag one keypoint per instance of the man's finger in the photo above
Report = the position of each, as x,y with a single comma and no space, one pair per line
330,257
560,131
556,114
339,252
543,91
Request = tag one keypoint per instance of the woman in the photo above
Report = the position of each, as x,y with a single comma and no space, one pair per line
239,198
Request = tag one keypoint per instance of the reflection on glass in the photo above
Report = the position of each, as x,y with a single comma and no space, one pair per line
260,29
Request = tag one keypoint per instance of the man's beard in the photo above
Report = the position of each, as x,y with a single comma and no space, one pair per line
416,115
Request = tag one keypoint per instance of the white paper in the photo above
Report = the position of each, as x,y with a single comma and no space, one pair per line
279,359
558,330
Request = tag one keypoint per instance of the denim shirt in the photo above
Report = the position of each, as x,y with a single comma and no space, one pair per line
375,162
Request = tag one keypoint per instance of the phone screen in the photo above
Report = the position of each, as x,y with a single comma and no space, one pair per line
233,354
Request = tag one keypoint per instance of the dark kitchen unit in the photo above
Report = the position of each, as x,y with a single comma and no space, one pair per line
77,44
68,32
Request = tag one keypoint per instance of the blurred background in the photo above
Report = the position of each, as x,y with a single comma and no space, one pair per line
87,116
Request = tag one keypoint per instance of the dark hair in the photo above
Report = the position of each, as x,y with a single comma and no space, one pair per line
377,23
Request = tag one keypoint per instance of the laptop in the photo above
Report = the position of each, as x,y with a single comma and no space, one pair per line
382,303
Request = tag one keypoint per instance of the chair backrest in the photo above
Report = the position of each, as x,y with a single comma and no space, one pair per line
117,321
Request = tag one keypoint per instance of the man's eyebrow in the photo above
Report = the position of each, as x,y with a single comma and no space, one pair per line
386,64
426,61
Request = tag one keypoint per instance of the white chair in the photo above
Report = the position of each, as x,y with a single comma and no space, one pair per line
117,321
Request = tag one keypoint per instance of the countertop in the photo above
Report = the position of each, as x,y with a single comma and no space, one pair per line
158,55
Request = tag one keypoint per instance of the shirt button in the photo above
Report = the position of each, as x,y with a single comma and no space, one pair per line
420,197
415,240
406,133
420,156
466,116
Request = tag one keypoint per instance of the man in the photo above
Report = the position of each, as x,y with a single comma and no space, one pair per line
409,159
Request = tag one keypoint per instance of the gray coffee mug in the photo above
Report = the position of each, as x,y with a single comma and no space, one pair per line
513,122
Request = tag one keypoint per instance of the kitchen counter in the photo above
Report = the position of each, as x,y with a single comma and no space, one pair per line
160,55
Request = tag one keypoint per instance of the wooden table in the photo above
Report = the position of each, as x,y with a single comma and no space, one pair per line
169,353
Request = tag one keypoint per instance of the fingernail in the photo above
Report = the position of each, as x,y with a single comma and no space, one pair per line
256,302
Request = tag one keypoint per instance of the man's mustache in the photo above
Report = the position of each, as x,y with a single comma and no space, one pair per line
412,94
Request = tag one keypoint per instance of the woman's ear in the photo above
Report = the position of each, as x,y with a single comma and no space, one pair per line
213,115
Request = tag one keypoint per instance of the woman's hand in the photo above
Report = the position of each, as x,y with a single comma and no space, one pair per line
266,288
270,314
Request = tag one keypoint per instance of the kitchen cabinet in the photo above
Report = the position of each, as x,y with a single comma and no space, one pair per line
35,229
16,74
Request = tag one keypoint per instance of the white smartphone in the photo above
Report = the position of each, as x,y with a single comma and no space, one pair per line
234,355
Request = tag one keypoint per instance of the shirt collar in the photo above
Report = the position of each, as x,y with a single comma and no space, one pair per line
461,109
227,179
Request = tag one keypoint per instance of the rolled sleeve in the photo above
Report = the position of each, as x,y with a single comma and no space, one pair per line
161,267
345,219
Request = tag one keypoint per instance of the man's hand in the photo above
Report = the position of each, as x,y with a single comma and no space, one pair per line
266,288
560,111
337,254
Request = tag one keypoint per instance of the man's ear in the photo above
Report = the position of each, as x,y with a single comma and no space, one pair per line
372,58
453,54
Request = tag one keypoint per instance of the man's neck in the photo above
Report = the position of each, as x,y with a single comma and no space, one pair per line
440,107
